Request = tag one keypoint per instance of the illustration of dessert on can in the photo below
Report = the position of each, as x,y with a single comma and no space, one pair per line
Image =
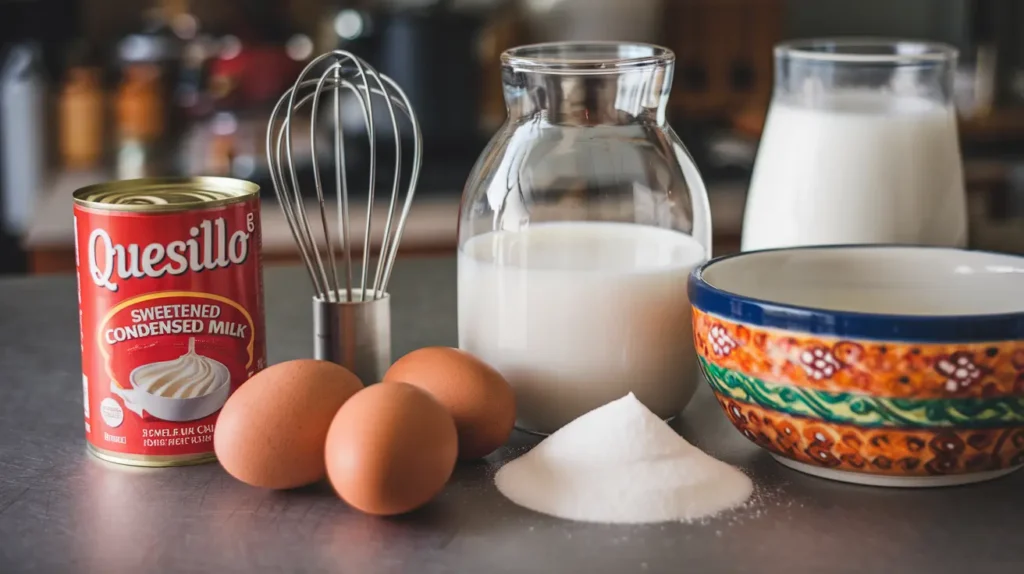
188,388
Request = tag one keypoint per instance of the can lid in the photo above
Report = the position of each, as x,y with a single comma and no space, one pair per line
151,195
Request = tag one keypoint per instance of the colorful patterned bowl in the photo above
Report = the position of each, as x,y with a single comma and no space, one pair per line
882,365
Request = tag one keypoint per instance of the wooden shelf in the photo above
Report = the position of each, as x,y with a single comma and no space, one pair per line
723,53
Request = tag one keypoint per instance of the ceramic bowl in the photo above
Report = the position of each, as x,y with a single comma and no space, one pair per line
885,365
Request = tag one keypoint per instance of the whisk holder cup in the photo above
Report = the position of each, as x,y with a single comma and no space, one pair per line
356,333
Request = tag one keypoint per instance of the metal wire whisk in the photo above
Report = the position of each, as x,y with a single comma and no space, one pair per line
351,319
344,71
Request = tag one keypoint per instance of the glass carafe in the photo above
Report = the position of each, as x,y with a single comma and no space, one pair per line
578,228
860,146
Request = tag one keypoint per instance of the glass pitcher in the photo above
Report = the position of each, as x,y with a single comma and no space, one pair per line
860,146
578,227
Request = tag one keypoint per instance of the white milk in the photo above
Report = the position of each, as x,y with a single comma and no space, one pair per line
870,168
576,315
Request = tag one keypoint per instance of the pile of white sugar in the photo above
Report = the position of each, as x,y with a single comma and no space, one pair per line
622,464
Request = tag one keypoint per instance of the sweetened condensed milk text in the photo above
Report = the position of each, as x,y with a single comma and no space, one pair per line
175,320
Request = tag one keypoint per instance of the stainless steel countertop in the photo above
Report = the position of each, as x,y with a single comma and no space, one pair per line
63,511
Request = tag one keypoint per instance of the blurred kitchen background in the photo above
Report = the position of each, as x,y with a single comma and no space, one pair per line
92,90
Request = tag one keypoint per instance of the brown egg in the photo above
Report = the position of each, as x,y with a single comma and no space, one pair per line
272,430
391,449
477,396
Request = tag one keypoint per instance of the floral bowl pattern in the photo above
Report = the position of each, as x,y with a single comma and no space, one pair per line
886,365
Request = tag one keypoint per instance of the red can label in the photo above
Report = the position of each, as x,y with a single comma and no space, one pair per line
171,311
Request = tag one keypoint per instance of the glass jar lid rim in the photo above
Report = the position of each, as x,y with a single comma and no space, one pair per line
855,50
586,57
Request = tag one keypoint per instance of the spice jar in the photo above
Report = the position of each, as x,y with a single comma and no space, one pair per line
140,121
81,118
140,113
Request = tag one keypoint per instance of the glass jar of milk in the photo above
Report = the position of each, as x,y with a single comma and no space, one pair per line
578,228
860,146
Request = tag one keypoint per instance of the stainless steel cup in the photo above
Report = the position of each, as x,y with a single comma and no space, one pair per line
355,334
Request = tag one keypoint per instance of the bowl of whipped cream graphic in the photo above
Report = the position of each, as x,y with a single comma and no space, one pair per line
184,389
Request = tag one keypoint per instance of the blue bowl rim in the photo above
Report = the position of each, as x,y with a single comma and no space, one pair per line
853,324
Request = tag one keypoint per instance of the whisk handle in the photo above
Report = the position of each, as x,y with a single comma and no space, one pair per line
356,334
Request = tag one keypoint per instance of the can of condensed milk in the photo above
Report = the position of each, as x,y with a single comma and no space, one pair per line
170,296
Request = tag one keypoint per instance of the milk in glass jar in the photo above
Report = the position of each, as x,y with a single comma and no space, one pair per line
578,229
